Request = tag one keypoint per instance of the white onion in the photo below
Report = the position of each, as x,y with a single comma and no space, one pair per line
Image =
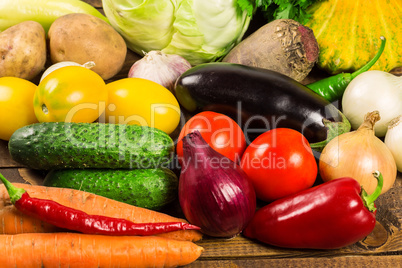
89,65
160,68
393,140
373,91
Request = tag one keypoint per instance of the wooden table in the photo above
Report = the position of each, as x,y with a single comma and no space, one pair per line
382,248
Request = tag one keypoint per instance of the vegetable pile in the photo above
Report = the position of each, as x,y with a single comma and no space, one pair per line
213,119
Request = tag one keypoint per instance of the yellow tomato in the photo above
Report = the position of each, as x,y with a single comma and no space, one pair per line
16,108
142,102
70,94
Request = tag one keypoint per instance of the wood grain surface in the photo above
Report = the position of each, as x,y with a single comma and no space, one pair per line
382,248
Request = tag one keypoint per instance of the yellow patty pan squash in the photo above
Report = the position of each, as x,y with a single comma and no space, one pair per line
348,33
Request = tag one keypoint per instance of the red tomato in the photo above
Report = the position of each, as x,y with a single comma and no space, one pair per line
279,162
221,132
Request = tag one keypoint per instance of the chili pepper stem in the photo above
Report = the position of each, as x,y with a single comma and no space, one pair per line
333,87
14,192
372,61
369,199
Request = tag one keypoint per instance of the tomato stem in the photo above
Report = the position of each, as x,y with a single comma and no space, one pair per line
45,110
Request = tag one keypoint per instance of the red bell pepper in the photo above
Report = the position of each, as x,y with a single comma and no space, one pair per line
332,215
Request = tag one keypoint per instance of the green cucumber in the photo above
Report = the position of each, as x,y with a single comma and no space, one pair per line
147,188
60,145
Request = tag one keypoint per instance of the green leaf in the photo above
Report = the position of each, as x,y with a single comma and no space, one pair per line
264,3
287,12
247,5
303,17
279,9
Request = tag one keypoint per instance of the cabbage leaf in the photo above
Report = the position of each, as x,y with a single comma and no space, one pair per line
198,30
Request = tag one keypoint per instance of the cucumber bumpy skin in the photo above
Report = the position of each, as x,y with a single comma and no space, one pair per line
60,145
147,188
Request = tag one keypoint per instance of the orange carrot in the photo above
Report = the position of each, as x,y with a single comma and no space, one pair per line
83,250
13,222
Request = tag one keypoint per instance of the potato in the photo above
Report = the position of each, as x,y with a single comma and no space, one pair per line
23,50
80,38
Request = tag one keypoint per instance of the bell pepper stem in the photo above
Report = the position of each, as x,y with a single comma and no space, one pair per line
14,192
369,199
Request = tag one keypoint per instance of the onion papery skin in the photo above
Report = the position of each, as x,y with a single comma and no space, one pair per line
393,140
214,192
369,91
358,154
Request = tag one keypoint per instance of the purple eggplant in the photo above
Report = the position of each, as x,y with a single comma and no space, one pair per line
259,100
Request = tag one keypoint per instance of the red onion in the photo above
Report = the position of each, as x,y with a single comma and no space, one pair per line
159,67
214,192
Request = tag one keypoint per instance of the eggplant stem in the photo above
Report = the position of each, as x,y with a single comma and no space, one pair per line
334,129
369,199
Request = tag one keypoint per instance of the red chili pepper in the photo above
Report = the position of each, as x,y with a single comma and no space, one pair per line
76,220
332,215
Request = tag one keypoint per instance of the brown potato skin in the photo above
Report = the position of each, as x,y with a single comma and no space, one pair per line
23,50
80,38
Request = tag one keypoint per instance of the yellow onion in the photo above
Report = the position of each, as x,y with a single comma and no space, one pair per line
358,154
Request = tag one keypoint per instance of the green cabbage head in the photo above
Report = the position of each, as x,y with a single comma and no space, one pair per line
198,30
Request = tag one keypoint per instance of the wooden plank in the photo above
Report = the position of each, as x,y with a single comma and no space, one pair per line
325,262
24,175
5,158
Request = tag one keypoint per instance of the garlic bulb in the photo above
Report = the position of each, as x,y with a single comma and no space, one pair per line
159,67
393,140
358,154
